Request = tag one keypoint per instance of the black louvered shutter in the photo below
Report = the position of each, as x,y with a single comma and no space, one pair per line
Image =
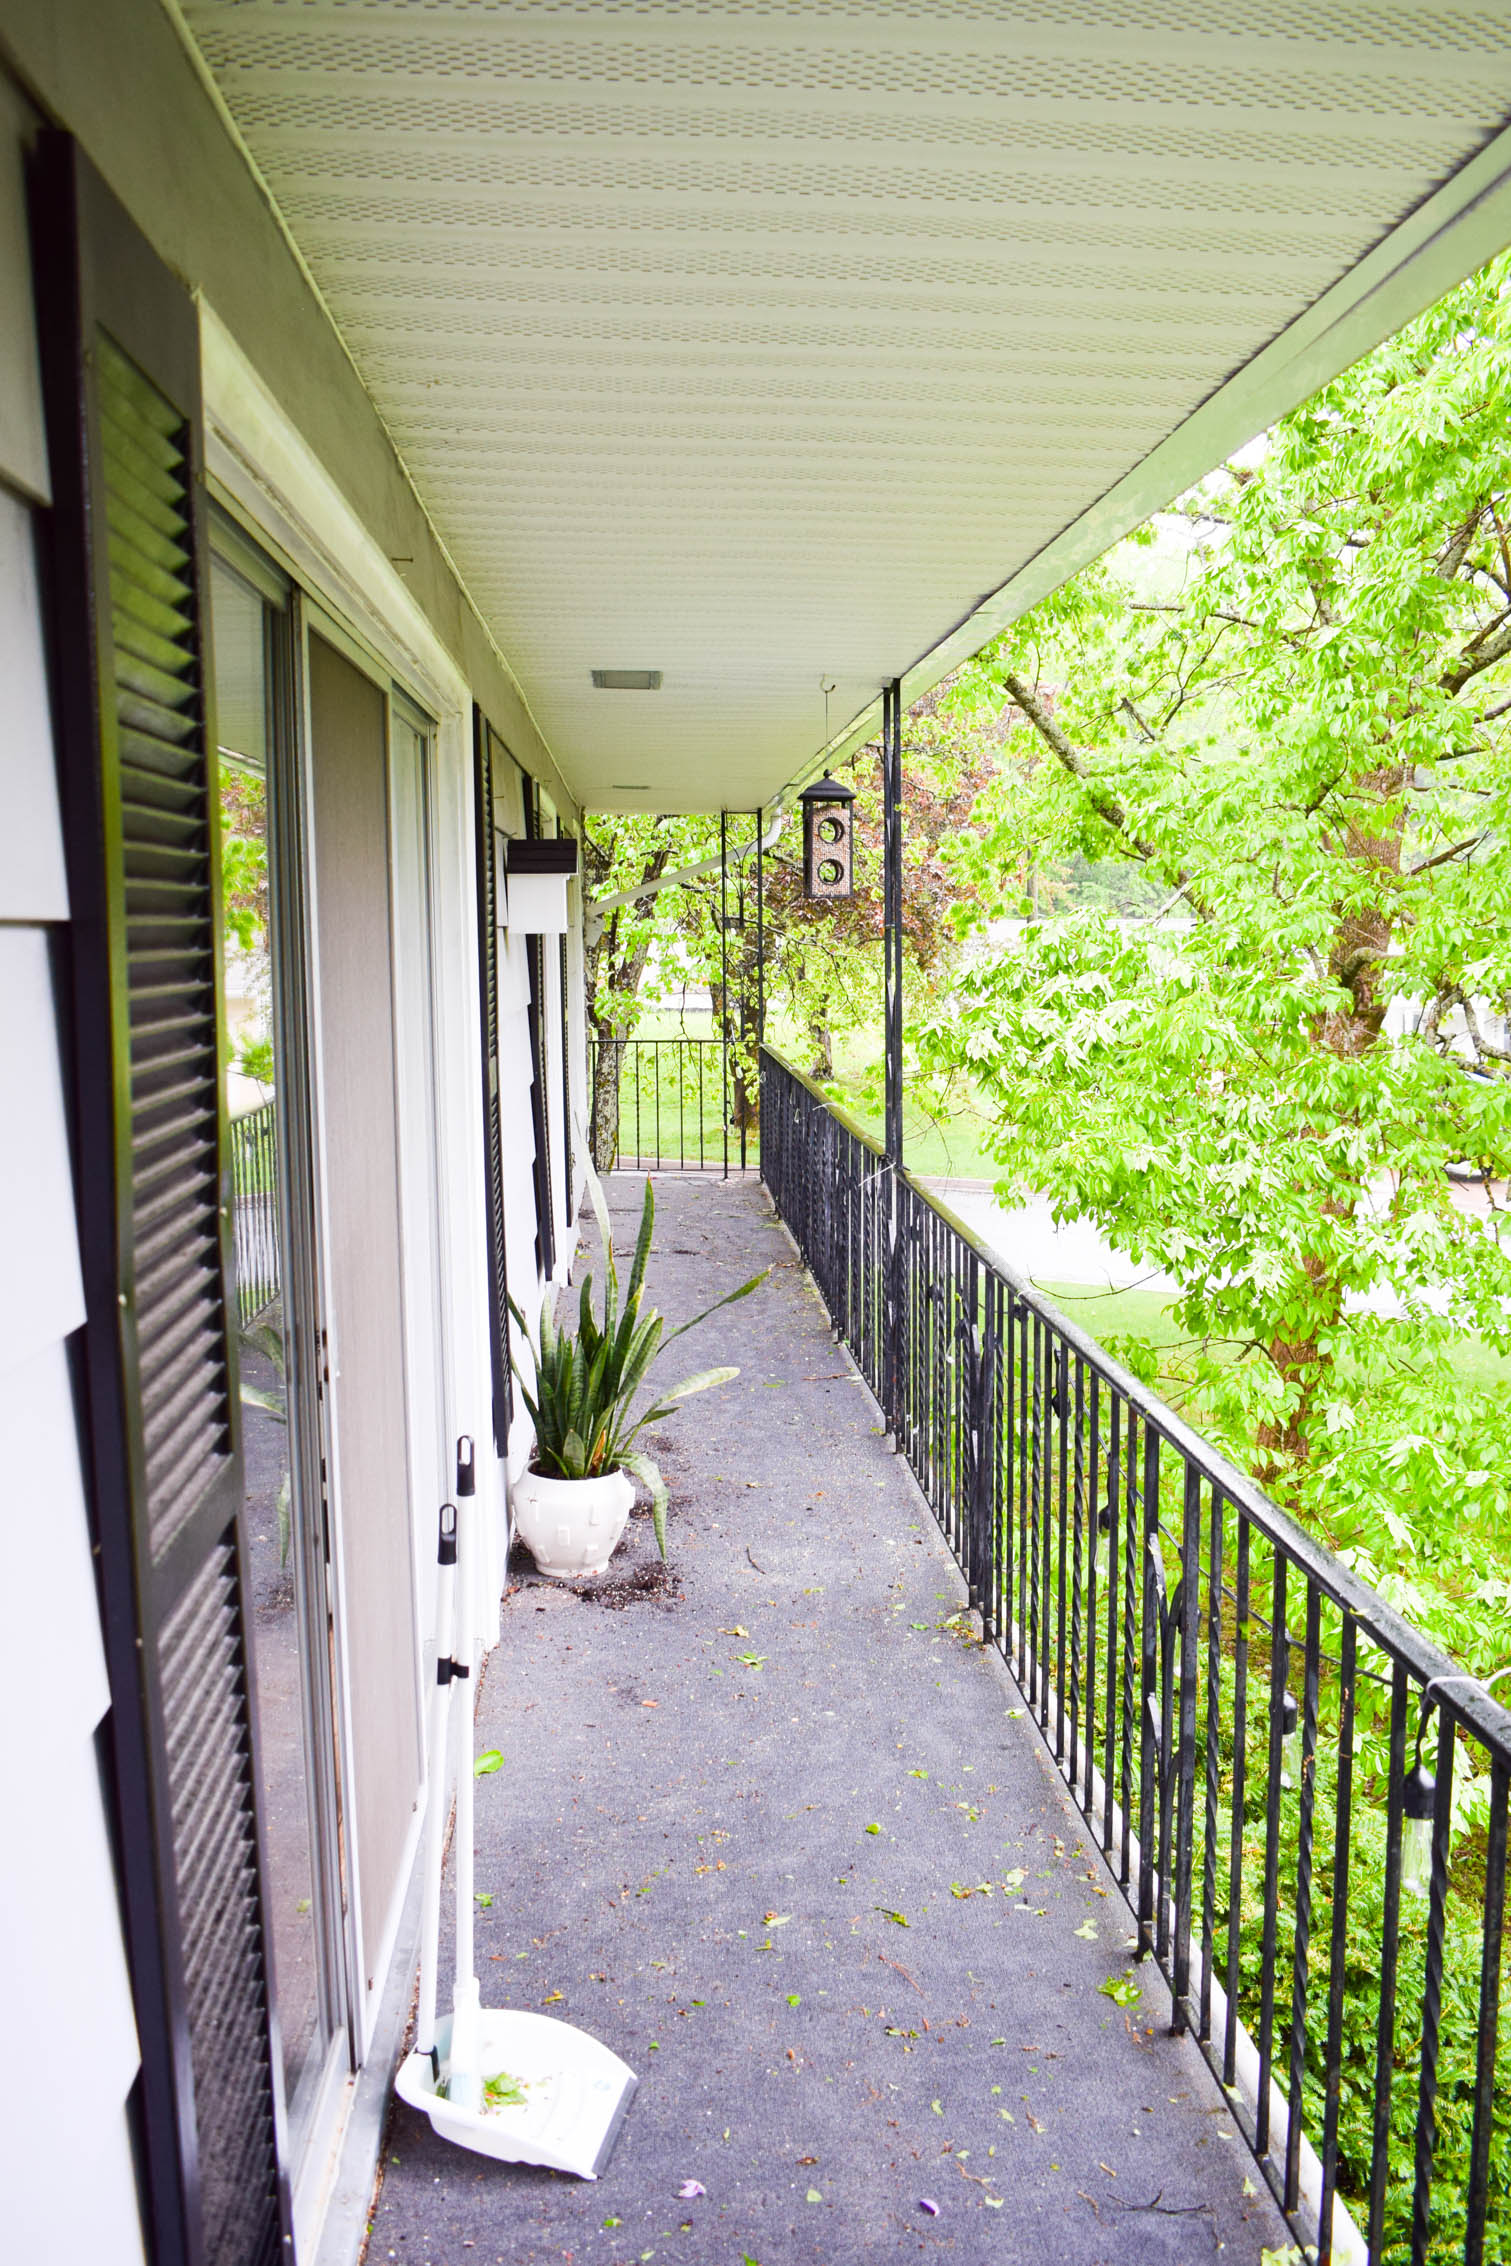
540,1062
493,1148
566,1088
535,950
128,607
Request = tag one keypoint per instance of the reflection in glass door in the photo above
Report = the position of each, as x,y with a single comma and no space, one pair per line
273,1242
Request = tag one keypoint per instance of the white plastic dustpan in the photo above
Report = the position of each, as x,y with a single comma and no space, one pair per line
575,2092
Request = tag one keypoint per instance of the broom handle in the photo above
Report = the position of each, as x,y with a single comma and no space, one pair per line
464,1651
438,1756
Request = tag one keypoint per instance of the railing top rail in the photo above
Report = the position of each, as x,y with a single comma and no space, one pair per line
841,1116
1467,1701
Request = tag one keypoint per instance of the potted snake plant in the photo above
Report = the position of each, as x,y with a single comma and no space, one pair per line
580,1389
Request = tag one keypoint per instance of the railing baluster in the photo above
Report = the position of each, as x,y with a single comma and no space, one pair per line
1062,1515
1213,1733
1025,1489
1093,1489
1151,1589
1238,1795
1280,1658
1185,1756
1489,2018
1133,1558
1338,1948
1078,1519
1432,1999
1385,2027
1301,1953
1114,1559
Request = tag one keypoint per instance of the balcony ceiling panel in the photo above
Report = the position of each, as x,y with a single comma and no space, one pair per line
762,343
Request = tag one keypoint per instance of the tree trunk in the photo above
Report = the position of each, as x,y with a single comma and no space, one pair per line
603,1104
737,1019
613,979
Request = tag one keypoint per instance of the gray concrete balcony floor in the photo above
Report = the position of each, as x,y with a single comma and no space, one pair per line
778,1832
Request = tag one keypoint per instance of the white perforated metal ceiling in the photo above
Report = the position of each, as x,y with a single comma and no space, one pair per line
761,343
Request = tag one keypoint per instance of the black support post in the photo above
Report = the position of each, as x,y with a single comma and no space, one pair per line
724,975
891,788
760,865
896,1276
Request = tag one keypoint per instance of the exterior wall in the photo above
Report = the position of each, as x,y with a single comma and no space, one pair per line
70,2183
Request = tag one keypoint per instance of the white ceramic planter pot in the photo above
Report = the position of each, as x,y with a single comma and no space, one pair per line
572,1526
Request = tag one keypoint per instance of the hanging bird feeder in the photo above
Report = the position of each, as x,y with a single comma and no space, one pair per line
828,864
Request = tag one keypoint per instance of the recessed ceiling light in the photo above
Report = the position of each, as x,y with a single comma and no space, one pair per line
627,680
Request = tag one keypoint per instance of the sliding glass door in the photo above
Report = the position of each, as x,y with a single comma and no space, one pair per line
277,1307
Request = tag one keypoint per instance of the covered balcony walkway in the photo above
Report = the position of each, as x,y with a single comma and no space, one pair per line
779,1830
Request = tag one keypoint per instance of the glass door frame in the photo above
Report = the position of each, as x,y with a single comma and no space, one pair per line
311,2115
314,616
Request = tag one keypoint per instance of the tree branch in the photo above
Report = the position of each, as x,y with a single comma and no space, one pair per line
1492,644
1456,549
1459,849
1104,803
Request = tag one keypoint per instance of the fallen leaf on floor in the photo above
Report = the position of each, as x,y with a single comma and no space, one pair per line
938,2111
487,1763
814,2195
777,1919
899,1919
1121,1989
552,1997
994,2202
1033,2120
736,1631
1087,1931
690,2188
1015,1878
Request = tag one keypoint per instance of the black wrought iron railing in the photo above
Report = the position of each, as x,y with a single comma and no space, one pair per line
673,1107
1249,1731
254,1212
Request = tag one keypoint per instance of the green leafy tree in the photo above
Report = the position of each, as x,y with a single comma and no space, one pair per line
1289,707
